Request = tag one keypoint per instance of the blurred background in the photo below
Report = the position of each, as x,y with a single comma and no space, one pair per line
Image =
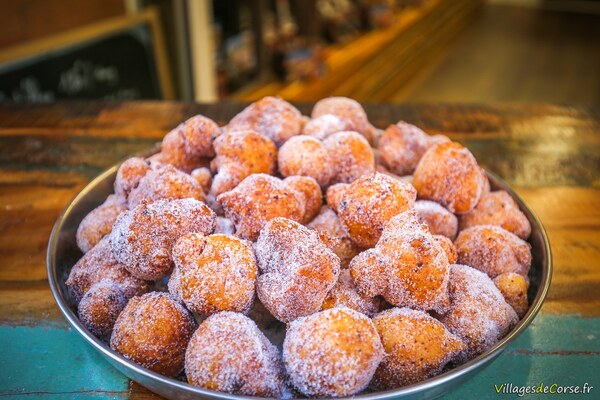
302,50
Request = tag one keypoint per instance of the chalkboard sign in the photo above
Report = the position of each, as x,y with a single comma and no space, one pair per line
117,59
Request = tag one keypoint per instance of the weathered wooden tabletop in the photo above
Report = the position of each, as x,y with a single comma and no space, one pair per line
48,153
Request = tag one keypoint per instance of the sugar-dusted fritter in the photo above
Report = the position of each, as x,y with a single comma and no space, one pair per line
408,267
296,269
190,143
417,347
306,156
273,117
448,174
129,174
332,353
478,313
349,111
98,223
239,155
332,233
345,294
204,178
325,125
213,273
369,202
164,181
143,237
351,156
498,208
100,306
448,247
311,191
258,199
514,289
493,250
401,146
153,331
439,220
228,353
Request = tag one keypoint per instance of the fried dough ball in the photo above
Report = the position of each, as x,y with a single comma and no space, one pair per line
401,147
306,156
514,289
228,353
478,313
332,233
153,331
448,174
351,156
272,117
164,181
498,208
142,238
100,307
190,142
334,194
258,199
448,247
129,174
349,111
225,226
417,347
332,353
213,273
493,250
98,265
311,191
325,125
204,178
297,269
439,220
345,293
98,223
239,155
369,202
408,267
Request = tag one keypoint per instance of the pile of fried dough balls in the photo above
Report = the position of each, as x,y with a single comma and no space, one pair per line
384,256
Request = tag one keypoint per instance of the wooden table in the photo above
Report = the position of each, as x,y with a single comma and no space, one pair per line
48,153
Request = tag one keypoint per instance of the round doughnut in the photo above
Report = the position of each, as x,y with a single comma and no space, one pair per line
143,237
351,156
311,191
345,293
348,110
228,353
478,313
129,174
306,156
417,347
493,250
332,233
401,146
448,247
213,273
439,220
369,202
204,178
99,308
296,269
448,174
273,117
332,353
98,223
514,289
153,330
325,125
239,155
498,208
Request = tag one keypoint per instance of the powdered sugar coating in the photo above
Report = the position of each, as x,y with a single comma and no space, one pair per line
345,293
332,233
448,247
204,178
325,125
493,250
98,223
478,313
369,202
439,220
213,273
348,110
225,226
351,156
306,156
239,155
273,117
401,147
514,289
311,193
258,199
332,353
448,174
407,267
142,238
417,347
297,269
153,331
498,208
228,353
100,307
129,174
